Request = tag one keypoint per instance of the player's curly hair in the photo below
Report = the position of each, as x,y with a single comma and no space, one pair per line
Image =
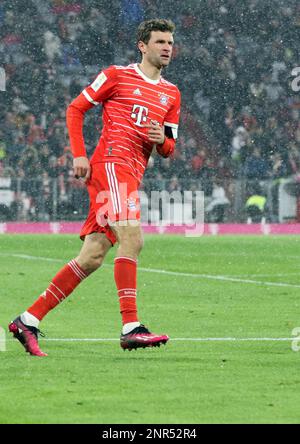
145,28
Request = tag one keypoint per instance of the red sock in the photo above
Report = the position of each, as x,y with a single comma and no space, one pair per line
125,278
63,283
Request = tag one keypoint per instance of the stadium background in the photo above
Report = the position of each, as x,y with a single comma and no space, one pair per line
232,62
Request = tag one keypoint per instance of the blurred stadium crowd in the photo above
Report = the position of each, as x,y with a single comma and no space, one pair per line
232,62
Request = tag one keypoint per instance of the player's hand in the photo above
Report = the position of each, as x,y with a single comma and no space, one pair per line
156,133
81,168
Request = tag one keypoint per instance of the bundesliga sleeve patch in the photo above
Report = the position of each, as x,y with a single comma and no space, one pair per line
98,82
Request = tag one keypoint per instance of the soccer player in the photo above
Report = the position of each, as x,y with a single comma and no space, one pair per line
140,113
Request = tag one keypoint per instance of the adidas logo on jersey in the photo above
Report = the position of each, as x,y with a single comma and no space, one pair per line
137,92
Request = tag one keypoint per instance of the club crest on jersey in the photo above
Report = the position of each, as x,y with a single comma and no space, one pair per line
163,99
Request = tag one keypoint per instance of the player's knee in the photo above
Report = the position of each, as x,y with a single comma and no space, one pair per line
91,262
132,245
96,261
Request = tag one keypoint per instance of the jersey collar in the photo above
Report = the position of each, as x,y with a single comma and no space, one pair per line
153,82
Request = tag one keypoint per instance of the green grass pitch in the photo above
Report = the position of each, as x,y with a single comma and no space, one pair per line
221,287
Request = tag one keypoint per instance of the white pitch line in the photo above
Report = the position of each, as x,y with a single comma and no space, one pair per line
229,339
264,275
219,278
249,254
32,258
172,273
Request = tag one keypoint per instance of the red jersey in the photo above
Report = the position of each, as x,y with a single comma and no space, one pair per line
130,100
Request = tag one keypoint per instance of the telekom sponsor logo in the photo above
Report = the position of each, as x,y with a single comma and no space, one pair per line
139,114
3,227
55,227
206,229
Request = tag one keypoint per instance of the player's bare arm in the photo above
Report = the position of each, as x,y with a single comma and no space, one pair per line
81,167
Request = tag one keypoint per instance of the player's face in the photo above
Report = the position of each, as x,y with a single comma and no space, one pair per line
158,50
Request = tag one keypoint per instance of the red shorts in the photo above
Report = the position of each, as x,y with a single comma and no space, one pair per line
113,192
